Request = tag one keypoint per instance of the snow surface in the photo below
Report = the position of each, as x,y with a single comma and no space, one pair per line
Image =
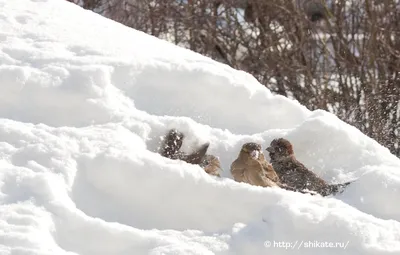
83,104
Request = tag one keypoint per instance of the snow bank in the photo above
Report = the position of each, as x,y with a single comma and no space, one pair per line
83,104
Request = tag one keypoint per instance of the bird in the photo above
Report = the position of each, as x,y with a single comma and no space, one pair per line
295,174
251,167
211,164
172,144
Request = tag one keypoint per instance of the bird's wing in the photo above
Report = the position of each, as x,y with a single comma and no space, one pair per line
299,177
237,170
269,171
256,175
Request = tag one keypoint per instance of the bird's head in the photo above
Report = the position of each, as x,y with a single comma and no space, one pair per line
280,148
252,149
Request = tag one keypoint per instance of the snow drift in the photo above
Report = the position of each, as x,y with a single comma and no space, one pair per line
83,104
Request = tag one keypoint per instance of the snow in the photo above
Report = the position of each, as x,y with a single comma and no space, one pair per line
83,104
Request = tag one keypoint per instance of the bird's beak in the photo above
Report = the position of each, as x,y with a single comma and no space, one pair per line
255,154
270,149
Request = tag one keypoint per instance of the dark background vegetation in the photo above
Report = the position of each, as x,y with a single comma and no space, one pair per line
341,56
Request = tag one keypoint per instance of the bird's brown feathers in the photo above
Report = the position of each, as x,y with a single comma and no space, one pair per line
172,144
251,167
293,173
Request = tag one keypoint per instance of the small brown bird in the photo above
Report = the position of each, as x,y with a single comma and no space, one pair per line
172,144
294,174
211,165
252,168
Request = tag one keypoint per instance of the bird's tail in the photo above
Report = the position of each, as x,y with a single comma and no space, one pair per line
197,156
339,188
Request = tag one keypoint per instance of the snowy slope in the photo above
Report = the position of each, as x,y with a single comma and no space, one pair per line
83,104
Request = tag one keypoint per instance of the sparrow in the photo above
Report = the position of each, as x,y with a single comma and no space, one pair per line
251,167
211,165
172,144
296,175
